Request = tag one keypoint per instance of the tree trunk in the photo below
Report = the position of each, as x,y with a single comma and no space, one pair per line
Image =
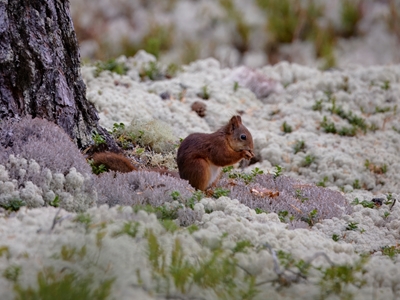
40,68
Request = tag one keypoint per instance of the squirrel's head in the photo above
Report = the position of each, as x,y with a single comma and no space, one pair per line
239,137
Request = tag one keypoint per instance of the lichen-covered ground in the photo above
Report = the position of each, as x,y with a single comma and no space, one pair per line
339,129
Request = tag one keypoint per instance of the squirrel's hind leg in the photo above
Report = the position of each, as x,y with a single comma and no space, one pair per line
198,174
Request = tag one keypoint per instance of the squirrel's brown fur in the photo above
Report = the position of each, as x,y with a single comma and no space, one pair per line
201,156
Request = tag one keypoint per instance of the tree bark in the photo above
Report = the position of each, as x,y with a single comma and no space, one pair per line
40,68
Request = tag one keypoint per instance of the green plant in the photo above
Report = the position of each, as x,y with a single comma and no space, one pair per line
347,131
286,128
317,106
71,254
12,273
391,251
196,197
311,218
169,225
386,85
192,228
129,228
352,226
217,271
13,205
235,86
364,203
247,178
242,245
299,146
324,38
386,214
350,15
175,195
278,171
356,184
335,237
379,109
205,93
374,168
283,214
98,138
299,195
151,71
220,192
323,181
308,160
55,202
329,127
337,279
259,211
172,70
112,66
389,199
97,169
64,286
117,127
85,219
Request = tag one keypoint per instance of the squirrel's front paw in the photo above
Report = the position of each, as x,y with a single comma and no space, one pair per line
248,154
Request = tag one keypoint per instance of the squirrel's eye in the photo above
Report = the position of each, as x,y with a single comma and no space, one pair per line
243,137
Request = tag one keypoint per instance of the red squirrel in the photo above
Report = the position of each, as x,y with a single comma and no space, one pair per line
201,156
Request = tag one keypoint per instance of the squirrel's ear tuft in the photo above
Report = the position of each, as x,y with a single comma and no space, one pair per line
234,123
